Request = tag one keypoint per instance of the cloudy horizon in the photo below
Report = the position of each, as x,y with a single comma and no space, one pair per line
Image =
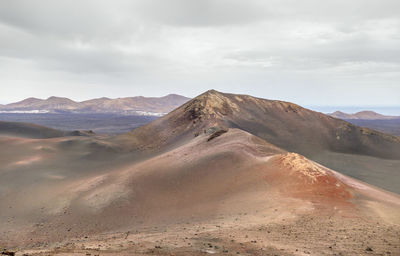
313,53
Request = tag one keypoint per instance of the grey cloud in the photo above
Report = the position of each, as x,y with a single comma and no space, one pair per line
58,17
202,13
189,46
318,56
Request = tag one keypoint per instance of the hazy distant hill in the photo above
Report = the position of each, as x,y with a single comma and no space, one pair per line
371,115
373,120
28,130
129,105
391,126
34,131
100,123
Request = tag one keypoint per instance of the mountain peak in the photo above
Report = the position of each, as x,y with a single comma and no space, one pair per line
211,104
338,113
283,124
55,98
23,103
173,95
212,91
366,114
32,98
29,100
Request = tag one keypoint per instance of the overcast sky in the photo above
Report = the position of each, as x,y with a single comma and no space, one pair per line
310,52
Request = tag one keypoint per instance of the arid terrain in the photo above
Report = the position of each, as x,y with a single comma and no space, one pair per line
222,174
373,120
363,115
130,105
100,123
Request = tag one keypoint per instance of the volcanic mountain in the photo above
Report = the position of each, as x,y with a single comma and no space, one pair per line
128,105
353,150
365,115
142,104
52,103
282,123
204,179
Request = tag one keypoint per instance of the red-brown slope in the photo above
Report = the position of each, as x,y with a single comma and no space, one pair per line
198,180
299,177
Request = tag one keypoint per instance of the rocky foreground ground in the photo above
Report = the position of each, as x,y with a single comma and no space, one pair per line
277,232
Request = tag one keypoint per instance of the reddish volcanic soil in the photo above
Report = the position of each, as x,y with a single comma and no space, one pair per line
233,195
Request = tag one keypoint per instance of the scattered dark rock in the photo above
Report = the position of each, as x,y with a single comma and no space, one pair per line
5,252
369,249
81,133
217,134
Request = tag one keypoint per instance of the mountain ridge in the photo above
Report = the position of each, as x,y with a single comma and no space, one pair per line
366,115
281,123
128,105
332,142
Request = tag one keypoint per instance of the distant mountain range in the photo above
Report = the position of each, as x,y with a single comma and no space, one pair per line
372,120
139,105
366,115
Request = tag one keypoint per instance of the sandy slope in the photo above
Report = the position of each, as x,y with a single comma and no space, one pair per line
28,130
235,194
